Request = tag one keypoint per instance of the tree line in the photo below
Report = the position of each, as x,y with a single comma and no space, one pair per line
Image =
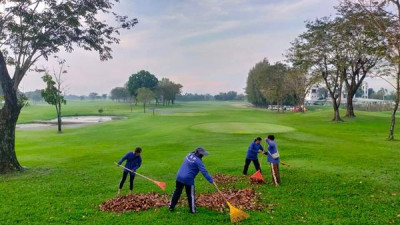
362,40
145,87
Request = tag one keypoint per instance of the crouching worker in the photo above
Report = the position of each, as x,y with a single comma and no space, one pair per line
252,155
273,159
192,165
133,162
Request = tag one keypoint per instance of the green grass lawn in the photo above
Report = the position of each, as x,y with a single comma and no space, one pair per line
341,173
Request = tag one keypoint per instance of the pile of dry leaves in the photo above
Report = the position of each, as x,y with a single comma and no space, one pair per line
136,202
220,178
256,181
246,199
243,199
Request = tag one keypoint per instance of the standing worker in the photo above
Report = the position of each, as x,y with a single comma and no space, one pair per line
133,162
189,169
273,159
252,155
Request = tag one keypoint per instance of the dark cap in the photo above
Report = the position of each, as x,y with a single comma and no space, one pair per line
201,151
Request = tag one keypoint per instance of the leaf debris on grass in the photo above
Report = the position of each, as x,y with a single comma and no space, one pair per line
243,199
220,178
137,202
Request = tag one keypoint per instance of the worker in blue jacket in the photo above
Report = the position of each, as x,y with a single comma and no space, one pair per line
252,155
189,169
273,159
133,162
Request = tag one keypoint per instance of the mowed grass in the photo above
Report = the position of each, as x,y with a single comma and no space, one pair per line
341,173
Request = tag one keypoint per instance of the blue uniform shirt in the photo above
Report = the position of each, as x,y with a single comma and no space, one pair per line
190,168
272,148
252,151
133,162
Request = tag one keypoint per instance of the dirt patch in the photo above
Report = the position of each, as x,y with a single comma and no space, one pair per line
220,178
246,199
136,202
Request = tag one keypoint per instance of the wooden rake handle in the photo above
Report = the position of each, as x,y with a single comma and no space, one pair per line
136,173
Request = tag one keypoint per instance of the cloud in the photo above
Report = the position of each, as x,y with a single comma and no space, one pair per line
208,46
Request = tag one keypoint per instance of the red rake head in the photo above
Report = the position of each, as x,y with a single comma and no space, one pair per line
160,184
257,176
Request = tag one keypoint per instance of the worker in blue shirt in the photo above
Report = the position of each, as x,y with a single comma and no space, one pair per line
252,155
189,169
133,162
273,159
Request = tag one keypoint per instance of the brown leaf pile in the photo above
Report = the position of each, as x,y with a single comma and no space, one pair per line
256,181
246,199
220,178
136,202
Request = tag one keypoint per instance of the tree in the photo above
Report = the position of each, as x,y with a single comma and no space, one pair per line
104,96
254,95
298,83
168,90
380,94
144,95
93,95
228,96
32,30
322,93
362,47
35,96
141,79
273,84
385,17
119,94
371,92
53,93
319,51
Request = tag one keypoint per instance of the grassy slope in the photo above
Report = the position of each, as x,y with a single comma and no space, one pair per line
341,173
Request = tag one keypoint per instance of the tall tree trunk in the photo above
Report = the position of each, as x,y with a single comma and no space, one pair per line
349,105
144,107
8,120
58,110
336,113
396,105
8,158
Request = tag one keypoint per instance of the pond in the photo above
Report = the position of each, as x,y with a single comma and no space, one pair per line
68,122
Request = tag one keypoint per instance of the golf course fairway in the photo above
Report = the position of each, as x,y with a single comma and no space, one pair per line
340,173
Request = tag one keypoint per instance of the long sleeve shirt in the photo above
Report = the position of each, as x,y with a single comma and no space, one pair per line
189,169
272,149
133,162
252,151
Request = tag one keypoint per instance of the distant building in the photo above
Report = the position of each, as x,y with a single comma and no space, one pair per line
312,95
364,88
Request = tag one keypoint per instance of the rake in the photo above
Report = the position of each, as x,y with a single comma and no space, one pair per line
236,214
257,176
160,184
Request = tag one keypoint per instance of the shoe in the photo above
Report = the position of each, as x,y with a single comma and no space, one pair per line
171,209
119,192
130,192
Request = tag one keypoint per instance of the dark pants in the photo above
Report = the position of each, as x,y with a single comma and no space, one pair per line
247,163
177,194
276,178
124,175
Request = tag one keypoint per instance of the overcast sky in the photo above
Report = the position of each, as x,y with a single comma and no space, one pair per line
206,45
